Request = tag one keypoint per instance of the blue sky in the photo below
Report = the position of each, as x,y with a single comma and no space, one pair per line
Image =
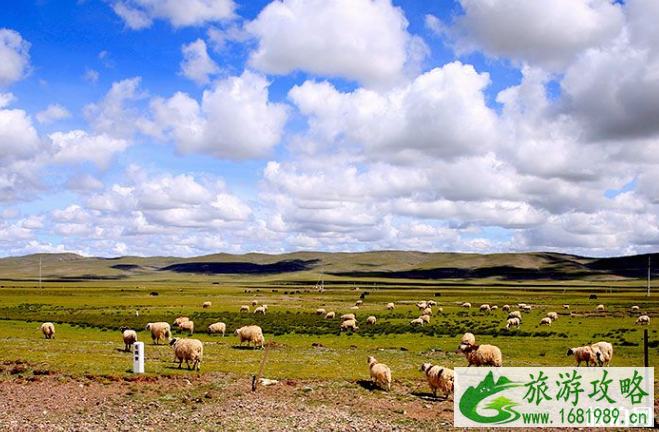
144,127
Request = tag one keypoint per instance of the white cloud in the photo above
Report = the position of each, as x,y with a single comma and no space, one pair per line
362,40
235,119
79,146
139,14
14,57
83,183
116,114
196,64
18,137
547,34
91,75
53,113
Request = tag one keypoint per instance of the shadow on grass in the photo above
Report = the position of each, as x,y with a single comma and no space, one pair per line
245,347
367,385
429,396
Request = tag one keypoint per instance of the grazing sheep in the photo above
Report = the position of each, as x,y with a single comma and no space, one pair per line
439,378
440,310
179,320
349,324
468,339
515,314
252,333
390,306
584,353
422,305
425,318
347,317
600,308
371,320
130,337
359,302
527,307
244,308
254,302
505,308
495,307
643,319
427,311
330,315
218,327
521,305
190,350
416,322
48,330
320,311
566,306
187,326
261,310
206,304
354,308
432,303
159,331
380,373
603,352
552,315
485,308
546,321
635,308
466,305
481,355
512,322
137,313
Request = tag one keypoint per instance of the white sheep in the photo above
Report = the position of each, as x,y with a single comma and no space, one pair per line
347,317
512,322
494,307
432,303
643,319
552,316
218,327
466,305
422,305
48,330
187,326
635,308
603,352
584,353
468,339
371,320
159,331
129,336
515,314
566,306
261,310
206,304
505,308
349,324
254,302
354,308
427,311
545,321
330,315
380,373
481,355
600,308
527,307
320,311
359,302
485,308
425,318
416,322
440,310
391,306
179,320
252,333
439,378
244,308
521,305
190,350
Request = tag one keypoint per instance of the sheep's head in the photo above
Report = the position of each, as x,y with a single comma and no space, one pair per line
148,326
466,348
371,360
123,329
570,352
173,341
425,367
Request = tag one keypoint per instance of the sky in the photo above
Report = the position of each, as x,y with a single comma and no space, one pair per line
192,127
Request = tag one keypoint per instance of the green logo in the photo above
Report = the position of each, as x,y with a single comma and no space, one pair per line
486,388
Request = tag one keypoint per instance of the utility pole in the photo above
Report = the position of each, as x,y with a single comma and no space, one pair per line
648,294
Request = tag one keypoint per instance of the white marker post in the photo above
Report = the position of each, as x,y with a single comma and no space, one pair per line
138,357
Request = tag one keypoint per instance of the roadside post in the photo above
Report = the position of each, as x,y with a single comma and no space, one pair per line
138,357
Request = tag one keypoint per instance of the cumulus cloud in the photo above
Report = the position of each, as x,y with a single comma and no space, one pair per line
14,52
139,14
235,119
116,115
362,40
52,113
79,146
546,34
196,64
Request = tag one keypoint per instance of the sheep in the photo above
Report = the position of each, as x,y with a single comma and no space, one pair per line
349,324
187,326
439,378
552,316
252,333
495,307
425,318
566,306
521,305
505,308
261,310
380,373
422,305
416,322
190,350
546,321
600,308
206,304
159,331
512,322
359,302
371,320
440,310
347,317
635,308
129,336
515,314
179,320
584,353
468,339
481,355
485,308
330,315
603,352
354,308
244,308
643,319
466,305
432,303
218,327
527,307
391,306
48,330
427,311
320,311
254,302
